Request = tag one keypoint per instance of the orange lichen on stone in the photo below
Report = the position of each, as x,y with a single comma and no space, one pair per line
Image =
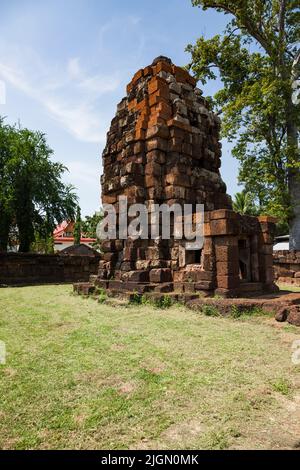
157,98
142,123
148,71
180,125
164,110
181,75
155,120
267,218
129,88
162,67
158,84
132,105
144,104
137,76
140,134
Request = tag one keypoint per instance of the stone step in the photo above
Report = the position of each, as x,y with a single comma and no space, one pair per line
251,287
83,288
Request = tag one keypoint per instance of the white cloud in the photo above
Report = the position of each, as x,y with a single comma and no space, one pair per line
83,173
98,84
72,93
15,78
70,96
134,20
80,120
2,92
73,67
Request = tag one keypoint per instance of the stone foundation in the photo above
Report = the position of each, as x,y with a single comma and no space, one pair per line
236,260
287,267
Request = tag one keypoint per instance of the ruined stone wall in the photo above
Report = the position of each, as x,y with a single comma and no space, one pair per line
31,268
287,267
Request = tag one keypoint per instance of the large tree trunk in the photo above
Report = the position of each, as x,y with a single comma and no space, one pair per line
294,187
294,175
25,227
294,183
4,231
294,190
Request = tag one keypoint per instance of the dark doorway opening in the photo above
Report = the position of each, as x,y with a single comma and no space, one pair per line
244,260
193,256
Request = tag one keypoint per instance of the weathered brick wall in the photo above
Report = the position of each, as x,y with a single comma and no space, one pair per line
31,268
287,267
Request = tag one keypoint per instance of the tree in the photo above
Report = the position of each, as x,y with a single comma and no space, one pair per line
43,245
243,204
6,189
33,197
77,227
89,227
258,61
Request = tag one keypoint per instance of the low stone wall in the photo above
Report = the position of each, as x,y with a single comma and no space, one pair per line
30,268
287,267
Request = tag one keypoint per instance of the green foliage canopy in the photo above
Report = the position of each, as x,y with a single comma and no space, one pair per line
77,227
33,196
89,227
243,204
258,60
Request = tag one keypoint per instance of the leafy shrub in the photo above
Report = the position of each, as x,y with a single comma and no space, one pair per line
102,295
163,302
237,312
145,300
282,386
210,310
136,299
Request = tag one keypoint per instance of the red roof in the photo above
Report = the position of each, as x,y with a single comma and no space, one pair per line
66,226
60,228
71,239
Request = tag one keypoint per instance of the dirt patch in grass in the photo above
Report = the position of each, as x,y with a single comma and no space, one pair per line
184,432
127,388
118,347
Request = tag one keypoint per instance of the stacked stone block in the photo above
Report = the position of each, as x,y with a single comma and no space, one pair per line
227,229
287,267
163,146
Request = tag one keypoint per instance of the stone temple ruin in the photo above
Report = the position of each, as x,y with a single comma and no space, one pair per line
164,146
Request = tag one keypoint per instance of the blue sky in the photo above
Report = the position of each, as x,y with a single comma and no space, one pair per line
65,65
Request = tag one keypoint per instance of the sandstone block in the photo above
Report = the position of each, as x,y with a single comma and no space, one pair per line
160,275
157,144
136,276
227,268
227,282
294,316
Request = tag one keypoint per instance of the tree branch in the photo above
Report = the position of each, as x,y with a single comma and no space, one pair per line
281,18
296,66
220,6
281,28
247,25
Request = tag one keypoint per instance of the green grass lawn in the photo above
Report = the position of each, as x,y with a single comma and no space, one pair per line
80,374
289,287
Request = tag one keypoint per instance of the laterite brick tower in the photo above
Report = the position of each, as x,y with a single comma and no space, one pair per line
163,147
